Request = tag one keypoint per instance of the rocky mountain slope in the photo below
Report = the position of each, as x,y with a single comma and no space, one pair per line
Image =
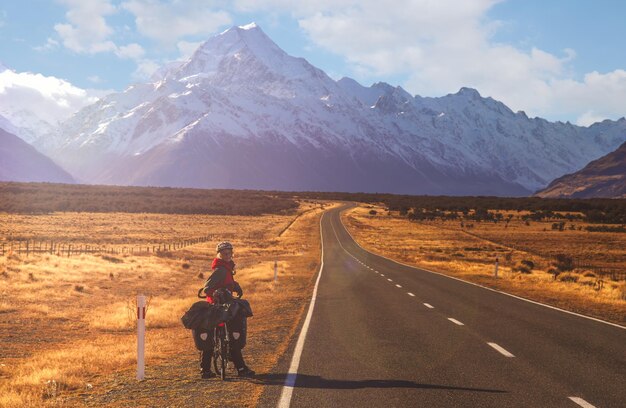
605,177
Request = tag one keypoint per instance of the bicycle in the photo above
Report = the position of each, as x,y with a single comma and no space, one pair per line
221,349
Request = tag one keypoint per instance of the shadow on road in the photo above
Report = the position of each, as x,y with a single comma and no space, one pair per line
314,381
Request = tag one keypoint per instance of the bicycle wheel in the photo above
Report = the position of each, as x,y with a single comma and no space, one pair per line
219,356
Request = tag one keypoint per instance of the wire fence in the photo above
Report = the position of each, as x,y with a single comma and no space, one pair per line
28,247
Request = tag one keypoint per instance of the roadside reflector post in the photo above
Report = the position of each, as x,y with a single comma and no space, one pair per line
275,271
496,272
141,334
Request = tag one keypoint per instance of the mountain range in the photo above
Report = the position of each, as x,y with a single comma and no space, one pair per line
241,113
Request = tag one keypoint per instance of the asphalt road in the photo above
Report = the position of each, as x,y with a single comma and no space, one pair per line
384,334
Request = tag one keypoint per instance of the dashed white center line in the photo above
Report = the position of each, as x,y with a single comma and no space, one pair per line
390,280
582,402
382,274
455,321
398,286
410,294
501,350
429,306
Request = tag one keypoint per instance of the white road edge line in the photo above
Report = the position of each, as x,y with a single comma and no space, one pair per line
429,306
410,294
501,350
582,402
480,286
455,321
290,381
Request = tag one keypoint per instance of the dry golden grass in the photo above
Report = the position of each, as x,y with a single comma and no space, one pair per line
67,324
130,229
470,254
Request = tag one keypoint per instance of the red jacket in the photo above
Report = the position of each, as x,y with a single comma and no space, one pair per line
222,277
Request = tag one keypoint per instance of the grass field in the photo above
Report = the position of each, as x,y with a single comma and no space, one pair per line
67,325
470,253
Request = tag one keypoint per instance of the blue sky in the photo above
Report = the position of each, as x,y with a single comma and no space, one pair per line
562,60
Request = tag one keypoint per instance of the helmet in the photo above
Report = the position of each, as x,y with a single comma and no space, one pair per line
224,245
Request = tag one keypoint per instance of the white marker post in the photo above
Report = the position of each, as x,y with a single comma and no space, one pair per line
141,334
496,273
275,271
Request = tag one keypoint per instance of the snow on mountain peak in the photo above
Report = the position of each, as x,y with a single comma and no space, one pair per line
244,47
250,26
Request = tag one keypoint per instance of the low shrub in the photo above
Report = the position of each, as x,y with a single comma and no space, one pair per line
568,277
528,263
564,263
554,272
522,268
589,274
373,212
112,259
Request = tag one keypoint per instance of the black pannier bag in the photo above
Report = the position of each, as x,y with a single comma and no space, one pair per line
202,317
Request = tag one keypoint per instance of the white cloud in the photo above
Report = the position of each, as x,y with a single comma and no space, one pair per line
94,78
51,98
145,69
50,45
441,46
131,51
169,21
87,30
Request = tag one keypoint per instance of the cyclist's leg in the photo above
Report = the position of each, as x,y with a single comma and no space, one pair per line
237,328
206,353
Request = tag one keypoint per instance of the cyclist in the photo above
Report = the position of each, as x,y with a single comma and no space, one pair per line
222,277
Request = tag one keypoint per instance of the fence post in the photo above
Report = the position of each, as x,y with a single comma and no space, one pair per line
496,271
141,334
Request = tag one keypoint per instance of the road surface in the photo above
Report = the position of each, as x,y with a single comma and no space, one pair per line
384,334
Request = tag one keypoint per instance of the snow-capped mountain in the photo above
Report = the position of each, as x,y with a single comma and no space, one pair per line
241,113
